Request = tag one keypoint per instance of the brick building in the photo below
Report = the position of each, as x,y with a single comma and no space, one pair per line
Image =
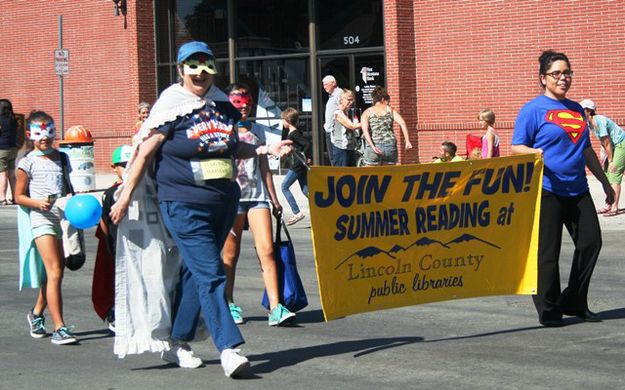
441,61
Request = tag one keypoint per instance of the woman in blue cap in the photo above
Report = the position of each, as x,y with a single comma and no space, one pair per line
191,136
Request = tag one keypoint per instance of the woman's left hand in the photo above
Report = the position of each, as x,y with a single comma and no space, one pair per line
612,167
377,150
609,193
118,211
408,145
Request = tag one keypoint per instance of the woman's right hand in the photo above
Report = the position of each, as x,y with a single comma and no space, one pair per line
43,205
377,150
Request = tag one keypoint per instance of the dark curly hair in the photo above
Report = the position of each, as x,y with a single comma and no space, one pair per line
379,94
547,58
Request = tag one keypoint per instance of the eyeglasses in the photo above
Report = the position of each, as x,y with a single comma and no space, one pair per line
557,74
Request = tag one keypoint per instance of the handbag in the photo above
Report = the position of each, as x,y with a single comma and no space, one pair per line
290,288
73,238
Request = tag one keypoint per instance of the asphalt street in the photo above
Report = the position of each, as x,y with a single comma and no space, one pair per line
480,343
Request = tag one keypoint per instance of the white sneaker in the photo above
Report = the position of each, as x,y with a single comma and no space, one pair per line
233,363
295,219
182,355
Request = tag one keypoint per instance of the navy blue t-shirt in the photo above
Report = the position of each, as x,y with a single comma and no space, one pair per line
202,135
559,129
8,132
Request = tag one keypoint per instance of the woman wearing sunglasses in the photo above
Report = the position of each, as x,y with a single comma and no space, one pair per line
191,135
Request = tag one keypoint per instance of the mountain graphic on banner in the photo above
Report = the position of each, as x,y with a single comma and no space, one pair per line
371,251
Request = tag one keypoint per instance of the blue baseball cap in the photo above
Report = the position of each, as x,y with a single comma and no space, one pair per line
190,48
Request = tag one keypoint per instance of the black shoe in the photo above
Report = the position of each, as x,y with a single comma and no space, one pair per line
552,323
587,316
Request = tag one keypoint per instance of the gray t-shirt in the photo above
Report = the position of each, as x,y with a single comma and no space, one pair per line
342,137
249,176
45,175
331,106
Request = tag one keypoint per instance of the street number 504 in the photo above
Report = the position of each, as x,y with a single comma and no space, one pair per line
351,40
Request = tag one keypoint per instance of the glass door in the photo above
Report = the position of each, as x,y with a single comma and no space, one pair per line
358,72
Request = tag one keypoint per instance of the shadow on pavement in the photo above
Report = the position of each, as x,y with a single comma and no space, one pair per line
279,359
604,315
96,334
613,314
303,317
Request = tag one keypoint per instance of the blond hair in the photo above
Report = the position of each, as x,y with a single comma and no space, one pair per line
347,95
487,115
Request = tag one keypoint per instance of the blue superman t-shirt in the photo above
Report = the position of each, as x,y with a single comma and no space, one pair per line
559,129
191,141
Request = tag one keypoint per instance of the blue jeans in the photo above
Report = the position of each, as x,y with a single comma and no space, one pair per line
343,157
200,232
389,154
289,179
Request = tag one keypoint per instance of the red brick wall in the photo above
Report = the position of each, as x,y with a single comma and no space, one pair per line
476,54
112,68
399,32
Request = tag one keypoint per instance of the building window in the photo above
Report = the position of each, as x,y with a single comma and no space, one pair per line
203,20
350,24
276,85
272,50
182,21
270,27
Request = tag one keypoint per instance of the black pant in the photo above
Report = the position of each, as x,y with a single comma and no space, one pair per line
579,217
329,148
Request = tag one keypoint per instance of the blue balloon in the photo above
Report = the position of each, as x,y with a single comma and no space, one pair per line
83,211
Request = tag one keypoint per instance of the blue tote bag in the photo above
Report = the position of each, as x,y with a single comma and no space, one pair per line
291,291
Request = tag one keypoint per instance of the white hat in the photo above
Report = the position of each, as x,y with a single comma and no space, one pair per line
587,103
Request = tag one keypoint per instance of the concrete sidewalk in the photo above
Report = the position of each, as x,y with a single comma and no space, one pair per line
614,223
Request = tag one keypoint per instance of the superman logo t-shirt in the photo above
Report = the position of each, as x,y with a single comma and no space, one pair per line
559,129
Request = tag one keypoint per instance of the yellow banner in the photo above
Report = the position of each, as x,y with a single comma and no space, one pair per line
403,235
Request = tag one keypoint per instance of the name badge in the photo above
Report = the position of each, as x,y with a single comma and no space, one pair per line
217,168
